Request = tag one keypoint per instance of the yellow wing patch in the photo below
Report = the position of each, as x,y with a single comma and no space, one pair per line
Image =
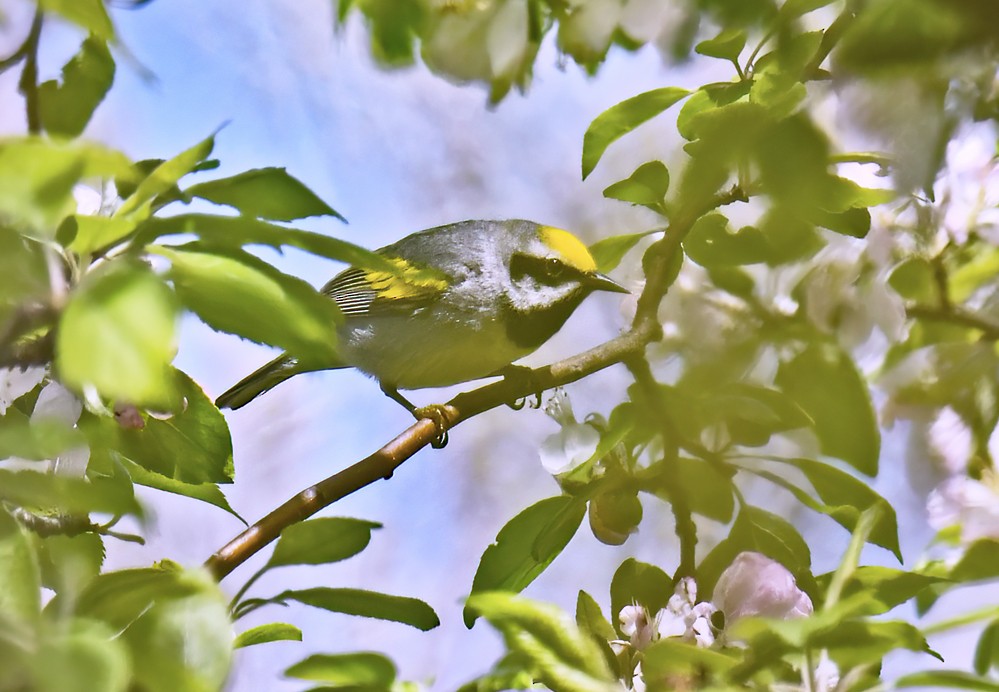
407,282
572,250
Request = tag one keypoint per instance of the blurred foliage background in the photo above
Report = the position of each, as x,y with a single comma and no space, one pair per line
174,175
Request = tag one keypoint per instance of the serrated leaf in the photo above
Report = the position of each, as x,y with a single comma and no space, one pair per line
622,118
37,177
68,563
192,446
705,488
234,292
980,561
884,587
84,234
64,494
163,178
65,108
647,186
20,597
726,46
369,604
513,561
639,583
826,384
264,634
321,541
117,334
237,231
269,193
608,252
839,490
205,492
366,671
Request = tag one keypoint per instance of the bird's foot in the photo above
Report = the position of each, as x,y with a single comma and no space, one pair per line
437,414
524,378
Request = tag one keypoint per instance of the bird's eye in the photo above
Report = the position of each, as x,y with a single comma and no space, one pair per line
554,267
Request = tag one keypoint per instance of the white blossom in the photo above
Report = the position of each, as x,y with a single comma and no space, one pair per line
755,585
16,382
971,504
682,617
573,444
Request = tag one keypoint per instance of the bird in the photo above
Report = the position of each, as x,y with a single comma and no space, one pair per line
467,299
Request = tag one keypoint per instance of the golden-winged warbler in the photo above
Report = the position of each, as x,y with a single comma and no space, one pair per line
495,291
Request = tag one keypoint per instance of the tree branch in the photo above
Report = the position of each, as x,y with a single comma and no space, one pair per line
382,464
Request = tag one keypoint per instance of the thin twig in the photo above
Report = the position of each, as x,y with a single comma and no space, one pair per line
383,463
955,315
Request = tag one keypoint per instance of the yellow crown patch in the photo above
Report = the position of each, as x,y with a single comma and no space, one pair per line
571,248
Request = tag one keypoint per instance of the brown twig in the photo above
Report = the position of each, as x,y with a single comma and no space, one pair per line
383,463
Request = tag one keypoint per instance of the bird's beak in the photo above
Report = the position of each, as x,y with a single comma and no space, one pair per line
601,282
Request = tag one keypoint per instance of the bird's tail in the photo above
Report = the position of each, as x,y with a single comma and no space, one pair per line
260,381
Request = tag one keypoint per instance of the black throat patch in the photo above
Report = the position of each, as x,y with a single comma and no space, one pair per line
529,330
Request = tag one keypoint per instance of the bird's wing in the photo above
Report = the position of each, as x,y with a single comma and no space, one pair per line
359,291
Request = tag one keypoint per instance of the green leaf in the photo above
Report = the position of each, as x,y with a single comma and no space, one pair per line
513,561
64,494
980,561
851,558
760,531
726,46
68,563
269,193
553,642
752,414
234,292
705,488
671,659
692,114
89,14
20,599
838,490
84,234
237,231
712,243
65,108
948,679
37,177
826,384
117,334
647,186
883,587
205,492
976,271
263,634
36,440
590,618
175,623
913,279
163,178
320,541
621,119
364,670
369,604
640,583
608,252
81,656
189,447
987,649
